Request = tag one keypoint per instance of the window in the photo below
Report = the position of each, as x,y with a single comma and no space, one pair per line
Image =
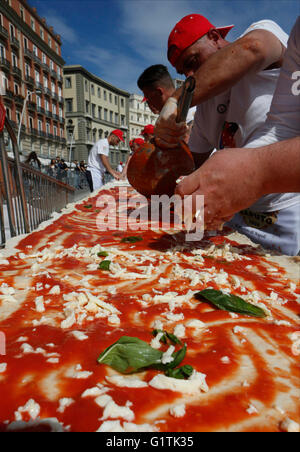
27,70
2,51
25,43
16,87
47,105
31,122
69,105
45,82
122,120
122,103
32,23
47,128
55,131
104,95
22,13
68,82
41,33
111,116
92,89
110,98
105,114
99,93
87,106
93,110
12,30
100,112
54,108
35,50
86,86
14,60
40,125
51,65
44,58
116,118
38,101
116,100
49,42
37,76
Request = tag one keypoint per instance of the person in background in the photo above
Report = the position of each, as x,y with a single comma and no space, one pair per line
98,161
157,86
77,175
120,167
52,169
134,145
148,132
62,171
33,161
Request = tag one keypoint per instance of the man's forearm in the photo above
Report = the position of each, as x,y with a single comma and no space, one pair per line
280,164
106,163
228,65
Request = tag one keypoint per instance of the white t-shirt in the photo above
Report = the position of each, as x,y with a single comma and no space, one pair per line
94,160
232,118
283,121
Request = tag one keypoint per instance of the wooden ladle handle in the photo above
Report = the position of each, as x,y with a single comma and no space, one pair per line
186,99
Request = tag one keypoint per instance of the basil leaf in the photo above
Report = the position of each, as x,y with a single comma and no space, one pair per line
173,338
177,358
231,303
130,354
88,206
132,239
102,254
104,265
181,372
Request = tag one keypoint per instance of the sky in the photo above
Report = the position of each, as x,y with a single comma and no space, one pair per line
117,39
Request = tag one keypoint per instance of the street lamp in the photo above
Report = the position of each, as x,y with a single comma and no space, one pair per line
38,91
71,129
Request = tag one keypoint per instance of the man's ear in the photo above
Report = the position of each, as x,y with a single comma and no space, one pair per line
213,35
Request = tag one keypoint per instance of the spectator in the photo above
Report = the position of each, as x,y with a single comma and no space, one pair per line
33,161
52,168
62,172
77,173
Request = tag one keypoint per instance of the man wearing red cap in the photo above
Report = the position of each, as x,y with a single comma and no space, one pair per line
134,145
98,161
235,83
148,132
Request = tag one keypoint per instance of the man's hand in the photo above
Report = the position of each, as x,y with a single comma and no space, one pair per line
116,174
167,131
231,180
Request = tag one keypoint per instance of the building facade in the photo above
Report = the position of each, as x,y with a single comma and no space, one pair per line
93,109
32,79
139,115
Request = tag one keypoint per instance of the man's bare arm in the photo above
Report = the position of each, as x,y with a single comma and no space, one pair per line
254,52
105,161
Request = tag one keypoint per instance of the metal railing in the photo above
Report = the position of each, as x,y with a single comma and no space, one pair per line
27,196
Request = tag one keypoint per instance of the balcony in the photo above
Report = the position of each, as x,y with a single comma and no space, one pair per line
37,60
16,72
19,99
33,132
53,73
40,110
55,117
61,119
28,54
14,43
4,64
39,86
45,67
54,95
9,95
61,99
31,106
50,136
29,80
47,92
3,32
48,114
41,134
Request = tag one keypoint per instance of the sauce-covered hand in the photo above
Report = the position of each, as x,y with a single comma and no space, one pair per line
167,131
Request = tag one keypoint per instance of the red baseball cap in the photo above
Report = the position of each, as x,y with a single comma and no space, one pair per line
118,133
148,129
139,141
187,31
